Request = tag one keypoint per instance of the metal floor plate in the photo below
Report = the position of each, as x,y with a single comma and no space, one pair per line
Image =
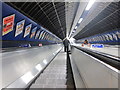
54,76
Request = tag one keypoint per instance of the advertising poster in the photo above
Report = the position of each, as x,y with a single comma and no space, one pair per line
33,32
19,27
110,37
37,34
118,34
8,23
27,30
46,36
114,36
41,34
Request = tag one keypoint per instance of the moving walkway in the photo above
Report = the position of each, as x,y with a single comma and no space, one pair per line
58,69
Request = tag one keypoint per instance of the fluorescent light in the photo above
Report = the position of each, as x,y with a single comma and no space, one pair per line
67,37
44,61
80,20
90,3
76,27
27,77
73,31
39,67
53,53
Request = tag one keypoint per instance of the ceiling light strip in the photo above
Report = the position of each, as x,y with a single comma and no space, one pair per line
89,5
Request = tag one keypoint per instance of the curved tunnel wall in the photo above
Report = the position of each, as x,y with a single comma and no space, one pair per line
20,30
112,38
104,28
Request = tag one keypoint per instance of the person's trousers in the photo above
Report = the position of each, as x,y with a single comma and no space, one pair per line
66,48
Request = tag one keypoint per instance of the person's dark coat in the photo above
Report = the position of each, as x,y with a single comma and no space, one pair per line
66,42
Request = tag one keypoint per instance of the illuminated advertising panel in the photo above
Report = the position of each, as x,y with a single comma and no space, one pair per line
27,30
19,27
114,36
37,34
33,32
8,23
41,34
118,34
46,36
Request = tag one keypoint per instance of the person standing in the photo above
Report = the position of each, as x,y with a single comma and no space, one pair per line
86,43
66,45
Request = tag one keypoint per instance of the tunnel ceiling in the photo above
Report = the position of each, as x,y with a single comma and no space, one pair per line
105,21
58,17
48,14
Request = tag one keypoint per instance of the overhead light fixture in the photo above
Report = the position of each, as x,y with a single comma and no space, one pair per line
75,27
44,61
80,20
67,37
38,67
27,77
73,31
90,3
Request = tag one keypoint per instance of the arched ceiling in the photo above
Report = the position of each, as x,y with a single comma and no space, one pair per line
51,15
60,18
107,20
48,14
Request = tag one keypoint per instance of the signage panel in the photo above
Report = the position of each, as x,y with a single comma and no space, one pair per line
19,27
27,30
33,32
97,46
8,23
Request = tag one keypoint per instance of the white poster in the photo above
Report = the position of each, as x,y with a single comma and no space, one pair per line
19,27
37,34
33,32
27,30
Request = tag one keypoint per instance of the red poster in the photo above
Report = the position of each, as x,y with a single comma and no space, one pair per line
8,23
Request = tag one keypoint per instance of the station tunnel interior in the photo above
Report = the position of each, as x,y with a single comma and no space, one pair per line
63,20
27,25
